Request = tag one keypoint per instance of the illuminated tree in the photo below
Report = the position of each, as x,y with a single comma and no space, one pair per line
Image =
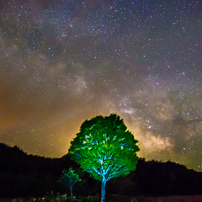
105,149
69,178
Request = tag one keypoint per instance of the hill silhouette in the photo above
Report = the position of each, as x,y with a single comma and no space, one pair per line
23,175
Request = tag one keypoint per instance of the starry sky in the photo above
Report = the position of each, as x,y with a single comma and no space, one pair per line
65,61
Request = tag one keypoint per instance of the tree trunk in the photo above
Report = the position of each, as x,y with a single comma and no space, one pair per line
71,193
103,189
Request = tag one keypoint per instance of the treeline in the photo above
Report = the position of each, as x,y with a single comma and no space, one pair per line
23,175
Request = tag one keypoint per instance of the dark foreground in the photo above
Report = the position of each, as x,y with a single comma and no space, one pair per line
23,175
194,198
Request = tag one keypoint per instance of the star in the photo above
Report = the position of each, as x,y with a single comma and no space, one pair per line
64,62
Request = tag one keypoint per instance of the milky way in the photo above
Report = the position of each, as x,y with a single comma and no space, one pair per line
62,62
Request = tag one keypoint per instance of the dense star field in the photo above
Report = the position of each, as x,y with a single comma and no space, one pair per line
62,62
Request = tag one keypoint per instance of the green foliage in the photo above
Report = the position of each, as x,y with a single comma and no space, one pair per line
69,178
105,148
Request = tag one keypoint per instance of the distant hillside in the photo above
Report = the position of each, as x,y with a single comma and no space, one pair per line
27,175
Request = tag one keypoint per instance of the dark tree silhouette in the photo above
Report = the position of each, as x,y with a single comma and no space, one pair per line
69,178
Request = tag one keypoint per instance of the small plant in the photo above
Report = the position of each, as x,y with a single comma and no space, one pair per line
68,179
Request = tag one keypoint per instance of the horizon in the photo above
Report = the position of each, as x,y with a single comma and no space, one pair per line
139,158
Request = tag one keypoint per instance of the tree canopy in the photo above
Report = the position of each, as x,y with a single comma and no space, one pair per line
105,148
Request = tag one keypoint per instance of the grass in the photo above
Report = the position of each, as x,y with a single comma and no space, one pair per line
113,198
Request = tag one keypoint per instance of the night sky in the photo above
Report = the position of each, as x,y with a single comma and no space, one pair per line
62,62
